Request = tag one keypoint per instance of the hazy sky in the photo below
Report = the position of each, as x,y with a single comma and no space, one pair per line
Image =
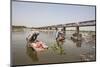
42,14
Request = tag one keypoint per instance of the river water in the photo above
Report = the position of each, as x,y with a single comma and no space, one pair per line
68,51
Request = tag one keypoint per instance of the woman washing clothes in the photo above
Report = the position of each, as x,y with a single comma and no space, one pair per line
60,35
34,43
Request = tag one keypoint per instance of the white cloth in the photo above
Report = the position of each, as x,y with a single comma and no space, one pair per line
59,33
31,33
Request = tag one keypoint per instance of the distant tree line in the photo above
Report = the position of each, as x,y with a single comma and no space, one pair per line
18,26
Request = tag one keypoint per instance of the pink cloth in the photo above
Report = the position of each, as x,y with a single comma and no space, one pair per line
39,46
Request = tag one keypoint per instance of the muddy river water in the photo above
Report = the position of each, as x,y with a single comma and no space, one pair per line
68,51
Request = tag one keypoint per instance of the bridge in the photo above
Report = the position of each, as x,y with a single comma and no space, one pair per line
75,24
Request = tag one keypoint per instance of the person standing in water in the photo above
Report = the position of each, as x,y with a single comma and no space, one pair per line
60,35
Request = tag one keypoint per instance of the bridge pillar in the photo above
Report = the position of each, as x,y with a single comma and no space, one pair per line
64,29
79,36
50,28
77,29
56,28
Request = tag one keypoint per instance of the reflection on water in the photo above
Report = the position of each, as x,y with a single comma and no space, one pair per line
78,43
32,54
57,52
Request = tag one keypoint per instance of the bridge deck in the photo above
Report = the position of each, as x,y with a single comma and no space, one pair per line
80,24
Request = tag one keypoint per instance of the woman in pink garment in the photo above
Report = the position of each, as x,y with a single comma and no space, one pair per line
34,43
